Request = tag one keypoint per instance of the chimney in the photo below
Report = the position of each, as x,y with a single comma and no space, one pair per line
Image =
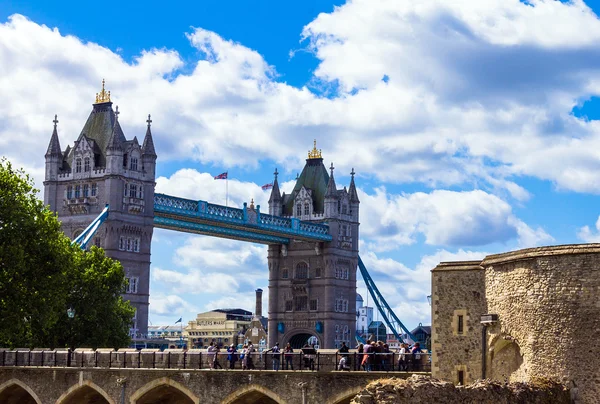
258,310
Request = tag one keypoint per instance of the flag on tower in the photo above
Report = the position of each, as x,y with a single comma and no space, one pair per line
178,321
267,186
222,176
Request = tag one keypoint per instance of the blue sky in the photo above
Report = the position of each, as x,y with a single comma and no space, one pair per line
472,127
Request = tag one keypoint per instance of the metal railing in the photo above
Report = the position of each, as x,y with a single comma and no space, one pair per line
200,359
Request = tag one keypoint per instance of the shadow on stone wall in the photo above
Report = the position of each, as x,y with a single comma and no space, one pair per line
422,389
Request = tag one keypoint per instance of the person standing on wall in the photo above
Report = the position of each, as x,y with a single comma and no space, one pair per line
275,352
288,353
232,356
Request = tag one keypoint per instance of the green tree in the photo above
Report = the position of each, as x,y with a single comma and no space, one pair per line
42,275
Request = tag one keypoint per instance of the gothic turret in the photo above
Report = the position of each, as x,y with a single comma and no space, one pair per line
354,202
331,198
114,149
275,198
53,155
148,152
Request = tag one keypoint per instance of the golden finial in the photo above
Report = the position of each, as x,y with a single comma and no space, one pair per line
252,204
314,153
102,96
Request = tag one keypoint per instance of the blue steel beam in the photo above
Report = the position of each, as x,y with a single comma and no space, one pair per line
84,238
384,309
217,231
246,221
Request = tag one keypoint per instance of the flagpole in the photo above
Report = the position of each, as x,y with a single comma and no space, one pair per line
226,189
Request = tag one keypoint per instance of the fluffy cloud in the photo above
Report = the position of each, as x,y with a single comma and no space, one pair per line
590,235
161,304
440,93
406,289
448,218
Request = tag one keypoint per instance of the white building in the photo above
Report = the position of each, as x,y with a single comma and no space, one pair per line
364,316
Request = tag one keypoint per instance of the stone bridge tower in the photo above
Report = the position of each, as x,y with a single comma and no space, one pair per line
312,285
104,167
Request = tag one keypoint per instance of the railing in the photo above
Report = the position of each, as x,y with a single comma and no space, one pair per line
250,220
200,359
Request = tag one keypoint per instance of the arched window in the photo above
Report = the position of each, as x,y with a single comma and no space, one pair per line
134,163
77,191
78,165
299,210
69,192
86,164
86,190
302,270
284,273
306,209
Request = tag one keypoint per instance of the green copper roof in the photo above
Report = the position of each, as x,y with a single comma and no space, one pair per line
314,176
99,126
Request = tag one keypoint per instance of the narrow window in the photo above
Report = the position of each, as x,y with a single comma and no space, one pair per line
306,209
132,191
301,303
288,305
125,160
136,245
86,190
77,191
314,304
344,209
302,270
122,243
284,274
299,210
94,189
69,192
318,273
461,377
86,164
134,164
461,325
78,165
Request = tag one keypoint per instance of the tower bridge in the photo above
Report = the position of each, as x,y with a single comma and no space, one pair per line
312,233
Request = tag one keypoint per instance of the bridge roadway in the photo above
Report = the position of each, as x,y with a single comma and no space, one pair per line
247,224
106,376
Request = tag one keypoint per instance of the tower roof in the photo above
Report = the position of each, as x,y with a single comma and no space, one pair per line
100,123
352,190
54,146
148,146
314,177
275,193
331,187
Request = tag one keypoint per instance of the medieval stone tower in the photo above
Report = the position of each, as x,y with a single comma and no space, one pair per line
104,167
312,285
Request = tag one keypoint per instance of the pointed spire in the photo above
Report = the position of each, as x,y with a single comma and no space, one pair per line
352,190
331,188
114,140
54,146
275,193
148,146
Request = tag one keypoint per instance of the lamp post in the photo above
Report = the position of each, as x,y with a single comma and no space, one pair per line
429,299
71,316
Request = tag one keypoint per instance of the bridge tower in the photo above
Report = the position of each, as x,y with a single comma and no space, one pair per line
104,167
312,285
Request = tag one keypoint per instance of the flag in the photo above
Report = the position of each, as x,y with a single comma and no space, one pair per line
267,186
178,321
222,176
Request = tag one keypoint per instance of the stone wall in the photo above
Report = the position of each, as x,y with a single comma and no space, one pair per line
547,301
421,389
458,289
56,385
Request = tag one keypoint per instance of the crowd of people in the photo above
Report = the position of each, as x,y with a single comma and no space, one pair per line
370,356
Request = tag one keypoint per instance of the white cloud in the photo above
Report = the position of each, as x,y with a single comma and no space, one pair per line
590,235
194,281
161,304
448,218
406,289
477,93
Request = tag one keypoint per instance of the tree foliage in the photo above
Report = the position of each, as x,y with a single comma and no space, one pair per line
42,275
